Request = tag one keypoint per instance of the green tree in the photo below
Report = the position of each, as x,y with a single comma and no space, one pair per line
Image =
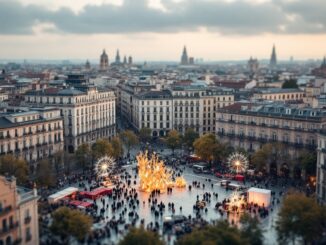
67,222
259,158
14,167
139,236
206,147
300,217
129,139
221,233
189,137
83,154
117,148
44,174
58,161
307,161
270,153
145,134
291,83
69,161
251,230
173,140
101,148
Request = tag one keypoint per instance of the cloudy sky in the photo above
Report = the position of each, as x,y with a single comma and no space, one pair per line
158,29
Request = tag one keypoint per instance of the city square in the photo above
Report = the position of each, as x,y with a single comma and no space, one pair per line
162,122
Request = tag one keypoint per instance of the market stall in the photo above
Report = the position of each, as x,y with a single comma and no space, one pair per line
60,195
261,197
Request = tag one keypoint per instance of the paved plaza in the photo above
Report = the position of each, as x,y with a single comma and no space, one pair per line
183,200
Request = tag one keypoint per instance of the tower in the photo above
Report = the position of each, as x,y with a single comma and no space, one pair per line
323,64
252,65
117,58
104,61
273,61
184,57
130,60
125,60
87,65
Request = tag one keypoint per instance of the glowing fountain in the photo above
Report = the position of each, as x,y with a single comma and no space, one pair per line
154,175
238,162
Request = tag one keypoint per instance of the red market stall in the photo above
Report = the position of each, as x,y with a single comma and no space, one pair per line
94,194
239,177
229,176
81,204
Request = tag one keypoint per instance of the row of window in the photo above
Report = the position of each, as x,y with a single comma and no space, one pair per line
268,121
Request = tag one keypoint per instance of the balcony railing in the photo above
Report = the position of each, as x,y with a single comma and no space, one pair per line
5,210
9,228
27,220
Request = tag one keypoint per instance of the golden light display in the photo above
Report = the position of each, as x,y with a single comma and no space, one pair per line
154,175
237,203
180,182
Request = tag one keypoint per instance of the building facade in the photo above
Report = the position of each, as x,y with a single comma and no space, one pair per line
87,115
175,108
33,134
249,126
278,94
18,214
104,61
321,168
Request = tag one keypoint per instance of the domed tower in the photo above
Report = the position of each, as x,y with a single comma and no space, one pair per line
104,61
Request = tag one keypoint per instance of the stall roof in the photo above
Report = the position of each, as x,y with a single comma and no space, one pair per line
259,190
63,193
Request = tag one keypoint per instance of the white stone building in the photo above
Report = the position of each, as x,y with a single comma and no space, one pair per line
176,108
88,114
33,134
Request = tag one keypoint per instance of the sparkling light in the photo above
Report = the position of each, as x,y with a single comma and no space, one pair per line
154,175
104,166
180,182
237,203
238,162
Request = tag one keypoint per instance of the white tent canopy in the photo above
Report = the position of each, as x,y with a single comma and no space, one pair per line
61,194
261,197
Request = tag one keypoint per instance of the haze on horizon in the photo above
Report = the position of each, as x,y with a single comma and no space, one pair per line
158,29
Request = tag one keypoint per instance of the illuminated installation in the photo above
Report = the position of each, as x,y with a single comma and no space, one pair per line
104,166
237,203
154,175
238,162
180,182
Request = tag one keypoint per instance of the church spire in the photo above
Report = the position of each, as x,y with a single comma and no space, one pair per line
117,57
184,57
273,61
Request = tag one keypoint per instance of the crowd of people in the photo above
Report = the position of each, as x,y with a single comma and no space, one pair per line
122,208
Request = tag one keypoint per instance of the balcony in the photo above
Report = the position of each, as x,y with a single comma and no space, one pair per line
5,210
27,220
8,229
28,237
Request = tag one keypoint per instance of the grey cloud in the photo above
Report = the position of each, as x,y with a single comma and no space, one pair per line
134,16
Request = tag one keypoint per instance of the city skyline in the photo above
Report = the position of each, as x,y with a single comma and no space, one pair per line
157,30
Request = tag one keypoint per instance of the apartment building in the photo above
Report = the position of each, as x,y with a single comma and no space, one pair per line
279,94
33,134
18,214
178,107
88,112
321,167
249,126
